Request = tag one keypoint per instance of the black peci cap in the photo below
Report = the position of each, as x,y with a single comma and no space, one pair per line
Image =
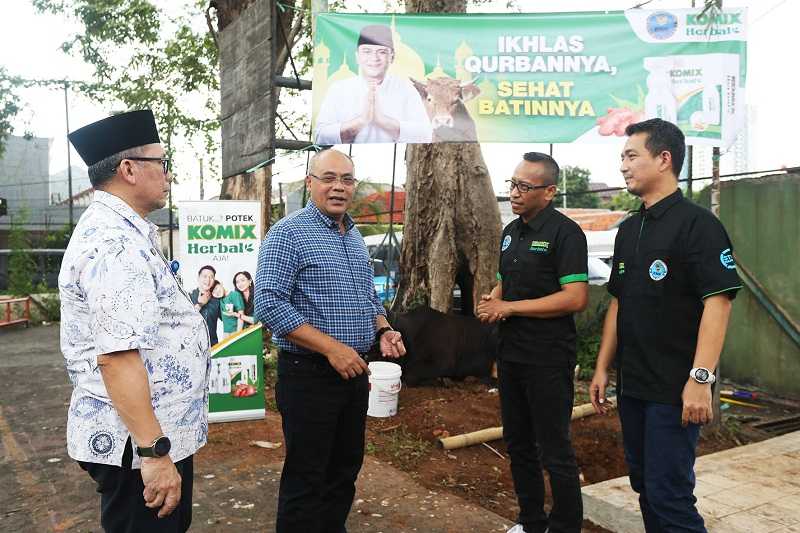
377,34
114,134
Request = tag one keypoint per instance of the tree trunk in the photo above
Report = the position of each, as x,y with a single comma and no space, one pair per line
251,186
452,221
452,228
257,185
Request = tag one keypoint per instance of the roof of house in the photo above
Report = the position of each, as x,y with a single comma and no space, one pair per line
594,219
375,208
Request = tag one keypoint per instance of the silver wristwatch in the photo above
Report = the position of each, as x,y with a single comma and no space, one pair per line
702,375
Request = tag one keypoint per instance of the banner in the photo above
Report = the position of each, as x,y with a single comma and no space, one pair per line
543,78
219,241
236,384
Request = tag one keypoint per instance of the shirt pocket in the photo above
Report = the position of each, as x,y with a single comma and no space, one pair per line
537,273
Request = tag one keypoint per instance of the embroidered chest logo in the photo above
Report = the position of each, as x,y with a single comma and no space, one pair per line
621,268
540,247
727,260
506,243
658,270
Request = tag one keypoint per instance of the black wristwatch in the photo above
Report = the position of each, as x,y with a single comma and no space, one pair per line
381,331
159,448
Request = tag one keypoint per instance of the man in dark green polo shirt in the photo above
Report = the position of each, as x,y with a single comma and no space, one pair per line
542,282
672,282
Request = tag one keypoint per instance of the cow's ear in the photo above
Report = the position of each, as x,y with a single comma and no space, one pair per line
421,88
468,92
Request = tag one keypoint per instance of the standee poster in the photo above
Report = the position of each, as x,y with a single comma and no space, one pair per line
219,243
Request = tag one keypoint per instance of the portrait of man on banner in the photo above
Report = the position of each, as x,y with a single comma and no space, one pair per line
374,106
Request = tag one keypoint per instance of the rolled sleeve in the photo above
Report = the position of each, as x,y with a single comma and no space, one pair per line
712,268
276,276
121,298
571,263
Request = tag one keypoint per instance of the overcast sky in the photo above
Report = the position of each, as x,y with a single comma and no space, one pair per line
29,47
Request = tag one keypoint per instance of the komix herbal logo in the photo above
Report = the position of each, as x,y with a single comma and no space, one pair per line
662,25
714,24
234,228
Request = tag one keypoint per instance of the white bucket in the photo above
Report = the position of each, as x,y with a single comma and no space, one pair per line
384,388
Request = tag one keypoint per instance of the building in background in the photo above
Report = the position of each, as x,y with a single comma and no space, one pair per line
43,200
25,174
59,184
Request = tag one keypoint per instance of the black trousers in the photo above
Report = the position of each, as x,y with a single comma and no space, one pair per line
323,419
536,404
122,508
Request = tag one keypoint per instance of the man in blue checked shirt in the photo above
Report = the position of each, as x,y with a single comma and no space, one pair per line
316,293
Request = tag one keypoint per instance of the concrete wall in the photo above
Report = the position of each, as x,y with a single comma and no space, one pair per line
762,217
246,89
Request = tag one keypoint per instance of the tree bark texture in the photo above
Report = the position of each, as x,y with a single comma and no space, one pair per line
452,221
251,186
257,185
452,228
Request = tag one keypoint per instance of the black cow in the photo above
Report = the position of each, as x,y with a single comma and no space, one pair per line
444,346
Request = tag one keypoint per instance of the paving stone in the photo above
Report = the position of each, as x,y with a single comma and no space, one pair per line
750,489
786,515
749,522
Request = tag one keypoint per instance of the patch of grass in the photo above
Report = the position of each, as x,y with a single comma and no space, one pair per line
269,401
581,396
46,304
270,370
729,429
270,379
589,329
405,447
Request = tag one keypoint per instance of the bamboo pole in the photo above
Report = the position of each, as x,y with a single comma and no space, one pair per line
489,434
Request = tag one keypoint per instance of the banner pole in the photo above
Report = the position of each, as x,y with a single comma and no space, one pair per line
391,213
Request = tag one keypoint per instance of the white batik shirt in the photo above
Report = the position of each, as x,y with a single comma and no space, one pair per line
118,293
395,97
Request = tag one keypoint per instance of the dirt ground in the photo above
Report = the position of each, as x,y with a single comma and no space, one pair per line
236,483
479,474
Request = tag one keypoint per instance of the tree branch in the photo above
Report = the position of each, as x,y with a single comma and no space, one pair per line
211,29
286,19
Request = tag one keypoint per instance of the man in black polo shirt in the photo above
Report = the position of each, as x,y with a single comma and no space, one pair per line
543,281
672,282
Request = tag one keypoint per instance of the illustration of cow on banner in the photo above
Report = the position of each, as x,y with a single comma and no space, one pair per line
444,99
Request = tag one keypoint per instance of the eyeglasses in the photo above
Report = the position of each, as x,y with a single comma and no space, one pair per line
165,161
382,53
524,187
347,181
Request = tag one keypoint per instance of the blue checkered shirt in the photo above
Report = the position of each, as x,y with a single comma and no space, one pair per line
309,273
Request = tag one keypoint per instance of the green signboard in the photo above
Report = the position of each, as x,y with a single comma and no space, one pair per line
549,78
236,384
